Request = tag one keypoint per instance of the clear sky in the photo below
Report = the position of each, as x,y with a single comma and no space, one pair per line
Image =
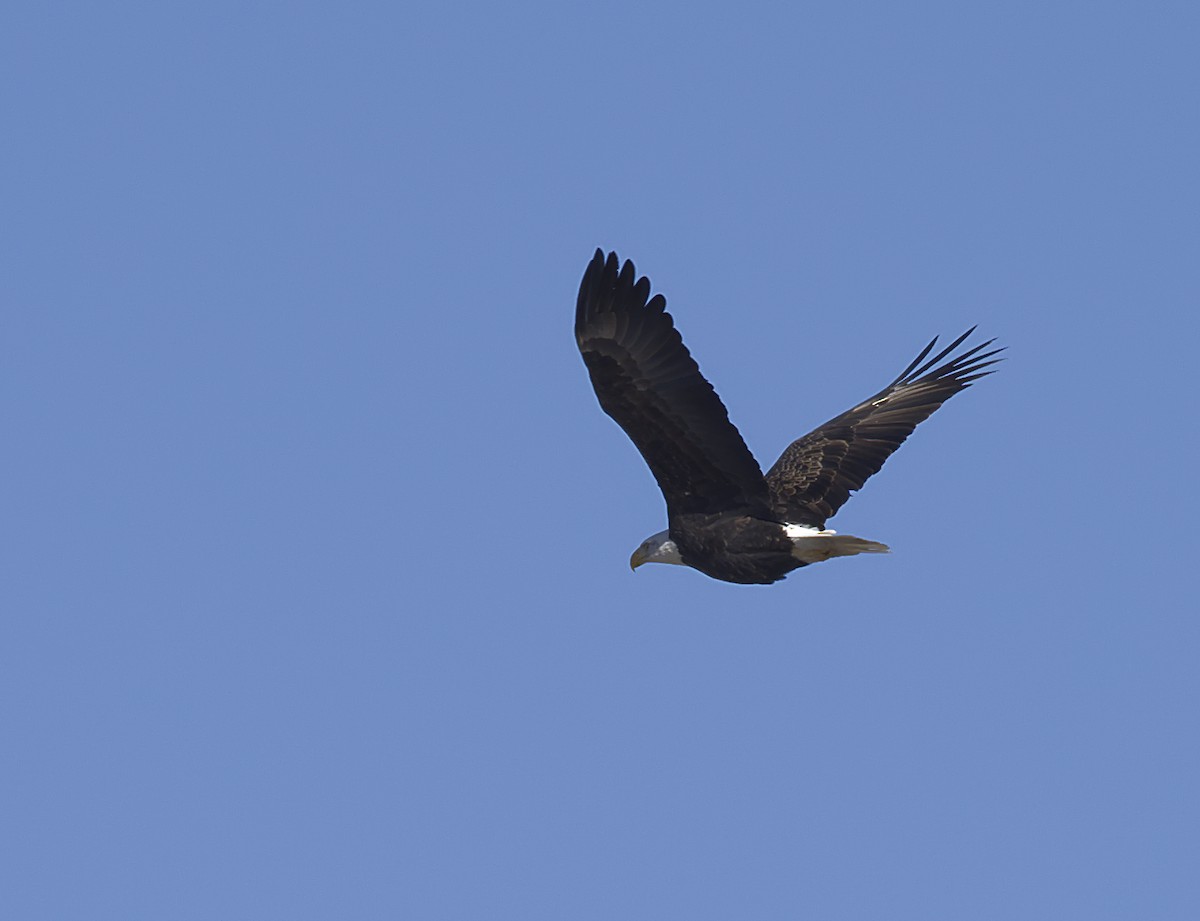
315,592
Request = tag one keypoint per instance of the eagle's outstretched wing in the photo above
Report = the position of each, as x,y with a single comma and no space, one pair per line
647,381
816,474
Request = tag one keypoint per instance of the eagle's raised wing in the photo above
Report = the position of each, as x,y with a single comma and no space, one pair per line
816,474
648,382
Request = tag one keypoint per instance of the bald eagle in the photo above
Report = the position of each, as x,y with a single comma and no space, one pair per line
724,517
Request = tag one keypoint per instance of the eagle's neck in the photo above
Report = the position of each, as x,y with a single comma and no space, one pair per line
664,549
658,548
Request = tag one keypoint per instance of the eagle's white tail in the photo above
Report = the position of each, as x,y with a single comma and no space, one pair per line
813,546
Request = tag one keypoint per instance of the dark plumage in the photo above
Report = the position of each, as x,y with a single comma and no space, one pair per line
725,518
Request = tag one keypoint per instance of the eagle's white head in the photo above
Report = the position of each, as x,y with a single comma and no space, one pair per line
658,548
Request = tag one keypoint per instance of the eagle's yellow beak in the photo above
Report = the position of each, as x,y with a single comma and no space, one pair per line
639,557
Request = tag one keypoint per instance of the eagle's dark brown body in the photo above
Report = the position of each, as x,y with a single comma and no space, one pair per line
734,548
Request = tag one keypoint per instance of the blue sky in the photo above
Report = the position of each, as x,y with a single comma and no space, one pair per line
315,585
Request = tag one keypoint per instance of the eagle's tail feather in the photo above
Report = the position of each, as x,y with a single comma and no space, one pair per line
818,546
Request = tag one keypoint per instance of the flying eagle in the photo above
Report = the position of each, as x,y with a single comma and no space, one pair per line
724,517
